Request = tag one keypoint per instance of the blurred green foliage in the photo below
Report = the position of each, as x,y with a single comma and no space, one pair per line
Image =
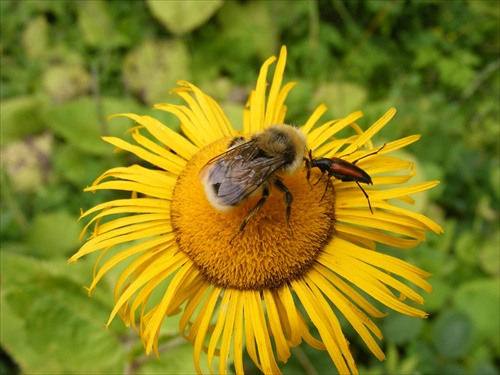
67,65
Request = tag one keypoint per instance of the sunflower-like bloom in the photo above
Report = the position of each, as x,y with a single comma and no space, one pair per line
264,289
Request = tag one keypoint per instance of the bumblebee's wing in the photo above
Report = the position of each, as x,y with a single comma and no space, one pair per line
237,173
213,171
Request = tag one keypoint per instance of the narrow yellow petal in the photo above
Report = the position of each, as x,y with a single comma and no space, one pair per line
261,335
258,99
286,298
160,313
272,106
372,130
174,163
200,327
200,137
313,119
216,124
394,266
131,251
151,191
280,108
356,318
162,268
324,326
403,191
219,327
377,222
233,308
137,173
156,160
306,334
384,238
165,212
221,118
282,347
191,307
201,119
238,336
372,281
250,312
331,130
132,205
427,224
186,291
349,291
164,134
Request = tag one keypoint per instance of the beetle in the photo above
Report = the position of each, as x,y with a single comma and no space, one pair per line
342,170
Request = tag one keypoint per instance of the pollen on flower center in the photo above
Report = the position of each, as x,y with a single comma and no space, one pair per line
268,252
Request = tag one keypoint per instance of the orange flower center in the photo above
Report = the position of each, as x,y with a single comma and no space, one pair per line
269,252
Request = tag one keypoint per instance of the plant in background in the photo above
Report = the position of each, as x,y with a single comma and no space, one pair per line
261,288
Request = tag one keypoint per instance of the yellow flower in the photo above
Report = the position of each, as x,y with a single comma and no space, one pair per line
264,288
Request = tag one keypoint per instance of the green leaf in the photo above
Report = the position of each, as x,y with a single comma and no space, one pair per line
401,329
426,354
234,113
65,82
96,25
26,162
78,122
495,180
439,297
453,334
177,359
181,17
458,70
35,39
485,368
19,116
239,41
451,369
480,300
465,242
54,234
488,255
49,325
340,97
153,68
80,169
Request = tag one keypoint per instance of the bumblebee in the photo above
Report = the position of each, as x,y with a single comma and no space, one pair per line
252,166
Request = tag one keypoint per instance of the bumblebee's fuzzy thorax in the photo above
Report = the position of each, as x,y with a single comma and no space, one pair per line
283,141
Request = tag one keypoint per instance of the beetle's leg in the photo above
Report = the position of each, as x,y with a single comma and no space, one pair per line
366,195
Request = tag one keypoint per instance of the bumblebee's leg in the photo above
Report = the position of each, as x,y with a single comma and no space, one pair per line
366,195
288,198
253,211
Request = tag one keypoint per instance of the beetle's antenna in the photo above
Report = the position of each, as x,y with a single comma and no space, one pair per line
373,153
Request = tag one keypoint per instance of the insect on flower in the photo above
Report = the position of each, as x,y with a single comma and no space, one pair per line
251,167
341,170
